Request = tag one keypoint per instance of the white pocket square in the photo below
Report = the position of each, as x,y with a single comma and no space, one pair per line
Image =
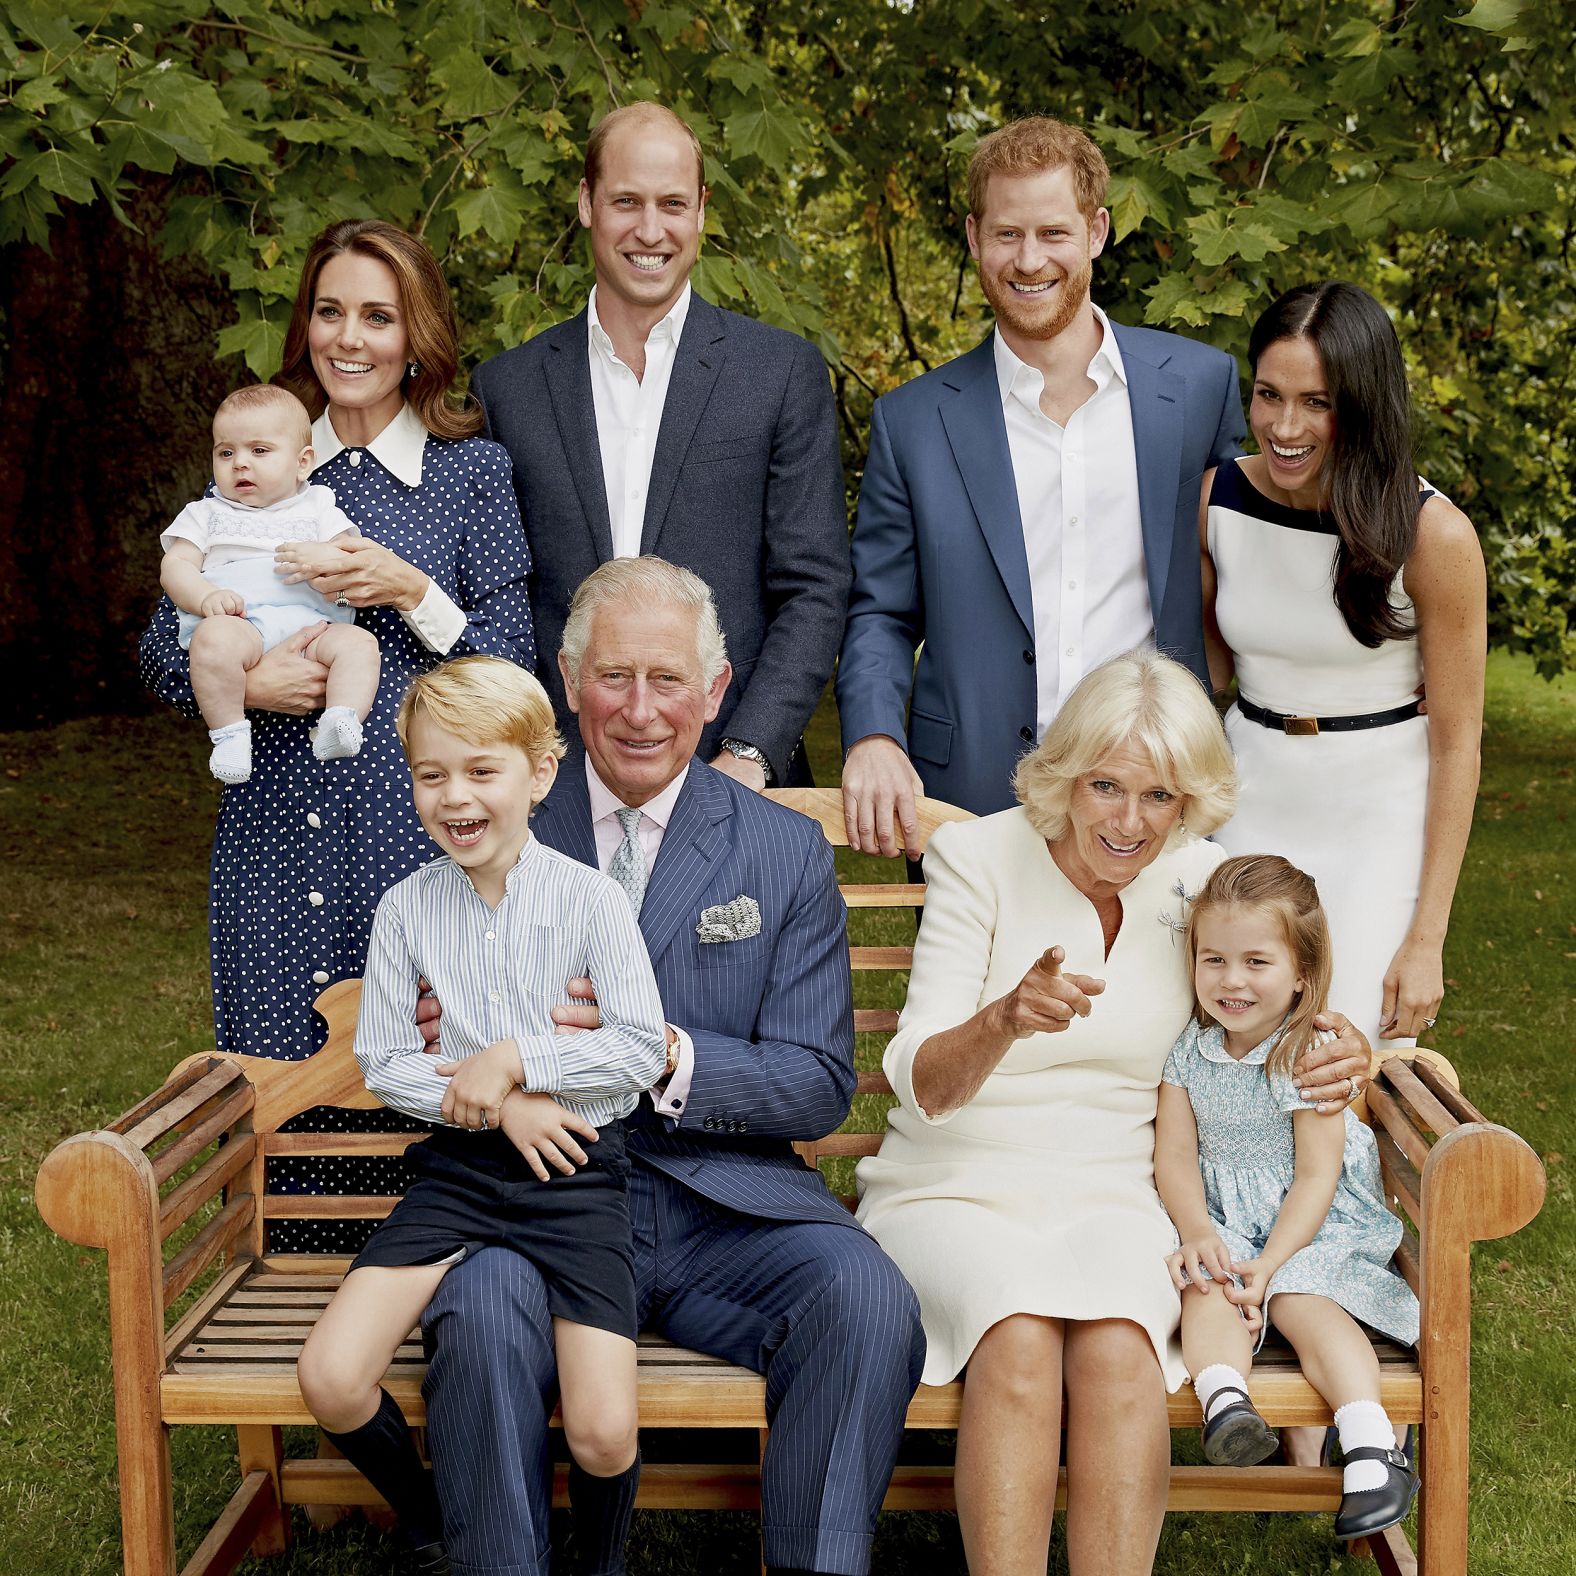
733,921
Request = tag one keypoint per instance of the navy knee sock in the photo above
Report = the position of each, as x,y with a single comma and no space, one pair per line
382,1451
599,1512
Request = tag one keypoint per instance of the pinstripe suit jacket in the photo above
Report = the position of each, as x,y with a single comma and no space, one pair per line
771,1016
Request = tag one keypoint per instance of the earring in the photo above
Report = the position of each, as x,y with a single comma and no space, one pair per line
413,369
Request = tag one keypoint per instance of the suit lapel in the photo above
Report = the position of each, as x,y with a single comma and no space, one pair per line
696,362
695,843
563,819
1155,397
977,432
569,387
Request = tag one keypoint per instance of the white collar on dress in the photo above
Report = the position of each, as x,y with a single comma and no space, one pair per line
398,448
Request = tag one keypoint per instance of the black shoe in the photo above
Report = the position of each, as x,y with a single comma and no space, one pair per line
1236,1436
431,1559
1366,1511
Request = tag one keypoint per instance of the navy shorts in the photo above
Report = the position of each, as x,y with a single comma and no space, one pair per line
474,1190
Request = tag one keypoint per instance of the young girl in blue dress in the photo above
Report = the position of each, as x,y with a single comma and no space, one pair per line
1277,1207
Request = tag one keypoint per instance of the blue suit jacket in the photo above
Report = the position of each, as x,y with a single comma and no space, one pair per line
939,557
746,490
771,1015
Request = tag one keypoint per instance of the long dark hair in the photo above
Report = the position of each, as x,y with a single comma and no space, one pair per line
1370,480
429,325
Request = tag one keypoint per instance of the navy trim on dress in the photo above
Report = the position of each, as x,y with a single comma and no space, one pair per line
1233,490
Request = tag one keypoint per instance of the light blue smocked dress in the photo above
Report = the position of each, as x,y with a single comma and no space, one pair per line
1247,1156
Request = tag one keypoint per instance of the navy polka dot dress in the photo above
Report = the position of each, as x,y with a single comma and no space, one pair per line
304,850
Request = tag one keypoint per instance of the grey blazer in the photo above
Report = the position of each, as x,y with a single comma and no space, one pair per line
746,490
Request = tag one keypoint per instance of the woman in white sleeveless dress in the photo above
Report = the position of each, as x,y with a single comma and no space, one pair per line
1339,584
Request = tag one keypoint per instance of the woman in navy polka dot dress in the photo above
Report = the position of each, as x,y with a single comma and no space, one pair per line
304,849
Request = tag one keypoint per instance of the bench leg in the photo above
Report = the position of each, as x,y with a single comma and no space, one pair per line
1390,1552
147,1517
760,1461
261,1449
1442,1503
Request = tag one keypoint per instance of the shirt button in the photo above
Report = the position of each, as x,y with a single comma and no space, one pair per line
355,457
315,899
320,976
1071,650
492,935
493,996
313,819
1028,656
1072,585
1072,519
1026,734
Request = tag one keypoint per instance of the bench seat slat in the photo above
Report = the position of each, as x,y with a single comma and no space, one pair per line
241,1364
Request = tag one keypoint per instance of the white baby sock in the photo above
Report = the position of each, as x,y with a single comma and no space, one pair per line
231,761
338,734
1214,1379
1363,1423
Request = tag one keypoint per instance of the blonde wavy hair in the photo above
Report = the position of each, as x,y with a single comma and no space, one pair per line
483,700
1137,698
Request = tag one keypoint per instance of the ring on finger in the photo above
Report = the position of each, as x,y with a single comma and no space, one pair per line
484,1121
1428,1023
341,600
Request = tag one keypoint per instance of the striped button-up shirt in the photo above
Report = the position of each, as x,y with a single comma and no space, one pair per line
499,973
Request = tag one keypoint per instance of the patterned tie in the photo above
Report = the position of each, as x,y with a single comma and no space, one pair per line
629,859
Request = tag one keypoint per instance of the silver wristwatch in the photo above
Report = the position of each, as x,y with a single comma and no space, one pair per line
748,752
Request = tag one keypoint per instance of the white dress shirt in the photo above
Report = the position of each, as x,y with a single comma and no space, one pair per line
437,621
669,1098
628,416
1078,501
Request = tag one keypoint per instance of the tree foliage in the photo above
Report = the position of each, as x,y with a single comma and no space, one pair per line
1420,149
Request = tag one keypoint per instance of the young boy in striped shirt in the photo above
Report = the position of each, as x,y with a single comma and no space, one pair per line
528,1149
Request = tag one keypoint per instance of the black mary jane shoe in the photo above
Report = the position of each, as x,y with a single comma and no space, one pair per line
1236,1436
431,1559
1366,1511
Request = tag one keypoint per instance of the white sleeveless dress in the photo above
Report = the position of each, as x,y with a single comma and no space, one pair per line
1348,808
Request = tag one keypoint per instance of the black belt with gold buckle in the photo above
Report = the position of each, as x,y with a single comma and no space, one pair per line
1311,725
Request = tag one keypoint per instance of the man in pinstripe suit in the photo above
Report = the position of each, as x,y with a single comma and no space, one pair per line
740,1250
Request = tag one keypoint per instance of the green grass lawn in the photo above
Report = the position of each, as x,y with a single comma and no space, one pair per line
104,834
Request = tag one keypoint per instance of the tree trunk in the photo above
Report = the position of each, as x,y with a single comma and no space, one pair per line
107,392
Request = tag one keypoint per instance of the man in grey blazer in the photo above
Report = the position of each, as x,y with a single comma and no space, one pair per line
653,422
1029,509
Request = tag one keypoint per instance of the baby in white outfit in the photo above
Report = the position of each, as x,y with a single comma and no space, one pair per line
219,571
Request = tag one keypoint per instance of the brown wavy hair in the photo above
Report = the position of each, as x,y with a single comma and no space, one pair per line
429,325
1269,882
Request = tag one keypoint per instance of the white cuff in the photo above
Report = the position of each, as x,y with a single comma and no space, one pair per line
437,621
671,1100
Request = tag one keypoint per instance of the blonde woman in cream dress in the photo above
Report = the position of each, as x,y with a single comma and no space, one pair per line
1015,1187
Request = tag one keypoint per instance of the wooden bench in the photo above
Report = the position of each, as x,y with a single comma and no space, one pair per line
205,1326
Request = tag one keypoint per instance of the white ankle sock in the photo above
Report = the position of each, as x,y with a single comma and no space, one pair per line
1214,1379
338,734
1364,1423
231,761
